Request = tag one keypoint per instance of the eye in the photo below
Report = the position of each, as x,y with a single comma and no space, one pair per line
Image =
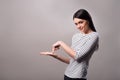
75,23
80,22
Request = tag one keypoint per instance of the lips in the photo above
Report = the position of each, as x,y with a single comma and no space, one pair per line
81,28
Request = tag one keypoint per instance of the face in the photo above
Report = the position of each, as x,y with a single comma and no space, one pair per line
81,24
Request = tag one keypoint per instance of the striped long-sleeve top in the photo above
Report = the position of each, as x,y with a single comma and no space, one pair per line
84,46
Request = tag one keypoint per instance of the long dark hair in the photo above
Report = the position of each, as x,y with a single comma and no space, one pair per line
83,14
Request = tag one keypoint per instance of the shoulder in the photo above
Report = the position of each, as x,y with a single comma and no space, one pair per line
76,36
94,34
90,35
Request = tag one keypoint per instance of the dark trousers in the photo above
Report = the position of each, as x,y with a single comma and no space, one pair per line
67,78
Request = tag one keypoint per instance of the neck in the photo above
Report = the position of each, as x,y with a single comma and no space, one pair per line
87,31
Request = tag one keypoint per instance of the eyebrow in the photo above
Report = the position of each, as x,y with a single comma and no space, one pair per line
78,22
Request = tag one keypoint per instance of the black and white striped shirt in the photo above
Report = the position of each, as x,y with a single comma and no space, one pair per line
84,46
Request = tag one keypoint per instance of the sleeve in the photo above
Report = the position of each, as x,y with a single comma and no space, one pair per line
86,49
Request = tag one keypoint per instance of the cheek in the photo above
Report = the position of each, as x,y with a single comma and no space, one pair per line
82,25
85,24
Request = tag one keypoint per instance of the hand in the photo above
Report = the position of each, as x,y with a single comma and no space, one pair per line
56,46
47,53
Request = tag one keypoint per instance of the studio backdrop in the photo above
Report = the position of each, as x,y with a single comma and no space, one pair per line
28,27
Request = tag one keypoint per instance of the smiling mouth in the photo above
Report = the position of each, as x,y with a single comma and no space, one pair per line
81,28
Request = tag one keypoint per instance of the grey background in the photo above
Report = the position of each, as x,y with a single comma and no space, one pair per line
30,26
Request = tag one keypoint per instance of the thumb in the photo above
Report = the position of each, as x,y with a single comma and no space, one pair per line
53,49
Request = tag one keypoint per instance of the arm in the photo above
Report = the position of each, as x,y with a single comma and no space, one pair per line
88,48
61,58
66,48
79,52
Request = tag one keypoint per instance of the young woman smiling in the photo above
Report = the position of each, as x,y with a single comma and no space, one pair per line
83,46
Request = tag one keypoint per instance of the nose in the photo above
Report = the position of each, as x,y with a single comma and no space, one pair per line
78,25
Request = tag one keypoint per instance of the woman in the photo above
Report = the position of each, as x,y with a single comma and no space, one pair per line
83,46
